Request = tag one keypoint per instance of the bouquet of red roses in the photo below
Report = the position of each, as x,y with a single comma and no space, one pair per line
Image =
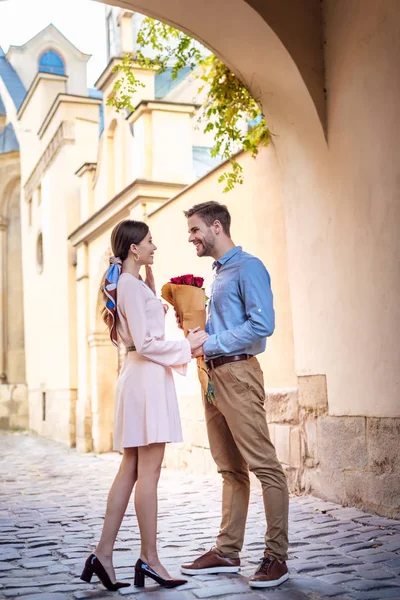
187,296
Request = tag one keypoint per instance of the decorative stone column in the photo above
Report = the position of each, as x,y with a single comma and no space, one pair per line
103,376
84,441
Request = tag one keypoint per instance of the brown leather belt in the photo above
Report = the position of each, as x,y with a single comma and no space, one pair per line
223,360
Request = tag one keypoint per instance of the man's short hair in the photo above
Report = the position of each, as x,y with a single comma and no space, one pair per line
210,212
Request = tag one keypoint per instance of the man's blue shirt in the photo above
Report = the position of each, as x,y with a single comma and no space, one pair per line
240,311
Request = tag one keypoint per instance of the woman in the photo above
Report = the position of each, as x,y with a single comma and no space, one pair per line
146,410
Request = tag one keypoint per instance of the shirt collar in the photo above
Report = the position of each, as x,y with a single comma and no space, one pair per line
227,256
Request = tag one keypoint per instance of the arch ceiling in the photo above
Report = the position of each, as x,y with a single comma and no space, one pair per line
275,48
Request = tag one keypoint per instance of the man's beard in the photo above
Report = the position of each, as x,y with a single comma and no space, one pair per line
207,247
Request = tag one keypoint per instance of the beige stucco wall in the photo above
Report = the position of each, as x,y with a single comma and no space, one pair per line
51,347
30,120
50,218
363,82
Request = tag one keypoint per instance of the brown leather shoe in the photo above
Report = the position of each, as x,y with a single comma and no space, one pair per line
212,561
270,573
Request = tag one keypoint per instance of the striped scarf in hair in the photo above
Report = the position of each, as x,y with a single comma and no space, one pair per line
110,290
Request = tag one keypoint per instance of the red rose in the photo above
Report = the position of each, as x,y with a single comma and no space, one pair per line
198,282
187,279
176,280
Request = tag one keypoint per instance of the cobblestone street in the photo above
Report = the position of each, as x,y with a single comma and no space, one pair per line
52,506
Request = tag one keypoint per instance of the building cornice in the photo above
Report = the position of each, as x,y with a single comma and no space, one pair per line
124,12
191,186
65,134
85,168
139,191
33,86
108,73
67,98
160,105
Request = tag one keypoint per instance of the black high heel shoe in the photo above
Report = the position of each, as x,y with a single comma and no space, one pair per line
93,565
143,570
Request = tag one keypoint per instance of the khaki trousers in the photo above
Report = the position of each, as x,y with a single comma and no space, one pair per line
239,442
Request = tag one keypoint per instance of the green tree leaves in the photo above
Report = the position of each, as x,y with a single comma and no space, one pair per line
229,110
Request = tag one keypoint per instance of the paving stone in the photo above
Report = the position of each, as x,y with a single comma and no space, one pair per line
337,578
54,569
380,557
355,547
393,564
42,543
388,536
157,595
306,567
371,584
220,590
90,594
332,570
367,573
64,587
390,546
376,595
45,596
25,573
38,552
310,586
36,564
376,520
16,592
19,582
9,554
46,536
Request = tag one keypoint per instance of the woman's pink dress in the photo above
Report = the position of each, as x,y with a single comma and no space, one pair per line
146,408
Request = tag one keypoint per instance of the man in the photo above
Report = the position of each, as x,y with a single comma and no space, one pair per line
240,318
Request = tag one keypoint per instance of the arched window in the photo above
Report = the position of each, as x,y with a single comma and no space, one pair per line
51,62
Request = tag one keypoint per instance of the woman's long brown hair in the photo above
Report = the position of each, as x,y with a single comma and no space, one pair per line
123,235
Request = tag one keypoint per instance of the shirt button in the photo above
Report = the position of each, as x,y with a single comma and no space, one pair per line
259,310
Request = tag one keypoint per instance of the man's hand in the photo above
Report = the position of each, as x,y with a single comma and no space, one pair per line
166,308
198,352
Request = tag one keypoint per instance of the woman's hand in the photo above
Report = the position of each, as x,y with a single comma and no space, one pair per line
178,321
149,281
196,338
198,352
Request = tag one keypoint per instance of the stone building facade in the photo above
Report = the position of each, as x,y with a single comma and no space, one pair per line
319,206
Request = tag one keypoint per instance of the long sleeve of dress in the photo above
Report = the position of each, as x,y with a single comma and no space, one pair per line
174,354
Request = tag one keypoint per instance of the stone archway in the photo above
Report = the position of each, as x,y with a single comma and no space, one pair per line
13,393
276,50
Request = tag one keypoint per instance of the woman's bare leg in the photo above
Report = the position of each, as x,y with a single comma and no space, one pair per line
149,468
117,503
